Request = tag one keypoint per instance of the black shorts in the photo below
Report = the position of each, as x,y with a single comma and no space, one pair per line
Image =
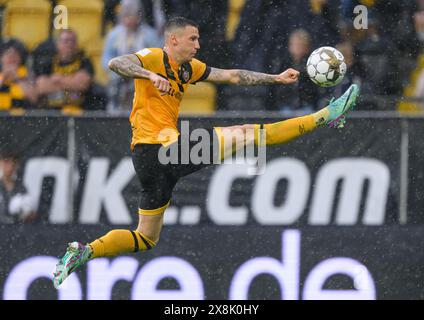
157,179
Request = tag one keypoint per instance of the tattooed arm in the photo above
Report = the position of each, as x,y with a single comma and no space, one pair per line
128,66
251,78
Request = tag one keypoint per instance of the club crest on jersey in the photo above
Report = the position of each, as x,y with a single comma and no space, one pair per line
186,75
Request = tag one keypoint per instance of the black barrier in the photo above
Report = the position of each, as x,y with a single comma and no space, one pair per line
335,214
80,171
207,262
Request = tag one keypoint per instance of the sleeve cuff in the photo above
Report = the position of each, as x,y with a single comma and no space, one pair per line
205,74
139,59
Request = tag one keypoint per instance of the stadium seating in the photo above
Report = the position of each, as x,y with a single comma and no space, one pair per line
86,18
4,2
235,7
94,52
199,99
410,90
28,21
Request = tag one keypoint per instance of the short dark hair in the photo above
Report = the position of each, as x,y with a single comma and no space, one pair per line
62,31
179,22
9,154
17,45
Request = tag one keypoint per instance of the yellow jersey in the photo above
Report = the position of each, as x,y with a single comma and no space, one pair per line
154,117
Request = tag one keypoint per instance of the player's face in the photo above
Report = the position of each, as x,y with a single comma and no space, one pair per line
187,42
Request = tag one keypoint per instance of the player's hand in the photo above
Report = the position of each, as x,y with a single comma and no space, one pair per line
288,77
160,83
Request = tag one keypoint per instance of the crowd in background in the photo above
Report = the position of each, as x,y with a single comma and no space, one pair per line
379,58
271,36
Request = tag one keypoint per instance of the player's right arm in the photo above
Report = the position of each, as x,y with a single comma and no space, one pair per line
129,66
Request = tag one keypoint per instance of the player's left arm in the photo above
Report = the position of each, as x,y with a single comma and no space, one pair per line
251,78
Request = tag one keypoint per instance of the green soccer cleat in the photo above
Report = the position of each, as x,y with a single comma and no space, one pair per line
76,255
340,107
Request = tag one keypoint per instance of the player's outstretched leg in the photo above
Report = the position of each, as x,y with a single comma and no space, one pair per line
233,138
76,255
332,115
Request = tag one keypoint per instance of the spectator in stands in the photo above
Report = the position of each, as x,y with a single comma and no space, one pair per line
373,59
419,22
15,204
418,93
301,97
397,24
129,36
153,13
324,23
353,74
65,79
212,17
17,89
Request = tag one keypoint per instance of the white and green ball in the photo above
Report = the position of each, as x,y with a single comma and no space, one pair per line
326,66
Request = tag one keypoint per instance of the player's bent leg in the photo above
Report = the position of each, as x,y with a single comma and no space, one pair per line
120,241
150,224
115,242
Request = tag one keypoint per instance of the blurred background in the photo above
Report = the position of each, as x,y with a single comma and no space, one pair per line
336,215
268,36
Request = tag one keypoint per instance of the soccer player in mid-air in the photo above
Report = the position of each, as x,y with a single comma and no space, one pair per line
161,77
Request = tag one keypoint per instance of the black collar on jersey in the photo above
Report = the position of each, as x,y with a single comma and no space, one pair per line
185,71
169,73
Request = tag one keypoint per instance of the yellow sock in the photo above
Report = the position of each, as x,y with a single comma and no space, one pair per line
120,241
321,116
287,130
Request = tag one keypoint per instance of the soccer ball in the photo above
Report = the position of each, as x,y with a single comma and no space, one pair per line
326,66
